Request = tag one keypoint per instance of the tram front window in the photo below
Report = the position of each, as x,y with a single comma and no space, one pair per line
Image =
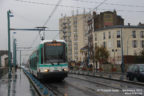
54,54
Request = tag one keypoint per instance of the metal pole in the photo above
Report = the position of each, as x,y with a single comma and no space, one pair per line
88,51
20,58
122,62
9,46
127,46
15,54
114,56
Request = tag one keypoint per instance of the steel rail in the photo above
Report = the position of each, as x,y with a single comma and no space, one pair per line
109,78
59,93
99,83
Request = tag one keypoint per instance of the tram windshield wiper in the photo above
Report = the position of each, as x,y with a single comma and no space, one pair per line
50,61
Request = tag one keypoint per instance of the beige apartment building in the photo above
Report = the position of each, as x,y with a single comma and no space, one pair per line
131,37
74,31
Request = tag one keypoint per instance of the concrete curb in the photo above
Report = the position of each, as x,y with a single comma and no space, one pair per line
40,88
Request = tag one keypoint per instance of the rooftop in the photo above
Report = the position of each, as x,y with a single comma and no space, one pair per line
120,26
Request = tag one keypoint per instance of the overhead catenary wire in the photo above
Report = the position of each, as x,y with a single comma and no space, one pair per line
91,10
99,5
94,2
60,5
49,17
48,4
39,3
33,42
52,12
45,21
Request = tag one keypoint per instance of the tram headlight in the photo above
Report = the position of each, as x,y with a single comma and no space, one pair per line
46,70
65,69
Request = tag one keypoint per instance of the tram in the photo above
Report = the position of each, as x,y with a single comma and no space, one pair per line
49,60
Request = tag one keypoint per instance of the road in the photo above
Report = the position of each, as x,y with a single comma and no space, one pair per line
79,85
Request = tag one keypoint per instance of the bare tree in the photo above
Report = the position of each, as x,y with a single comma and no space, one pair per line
101,54
142,52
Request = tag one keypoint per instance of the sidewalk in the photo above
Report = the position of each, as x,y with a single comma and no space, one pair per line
18,85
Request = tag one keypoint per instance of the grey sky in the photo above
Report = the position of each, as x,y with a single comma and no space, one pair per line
29,15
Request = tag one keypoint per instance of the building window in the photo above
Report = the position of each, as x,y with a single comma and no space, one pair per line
109,35
104,36
104,44
142,43
134,43
118,34
118,44
134,34
142,34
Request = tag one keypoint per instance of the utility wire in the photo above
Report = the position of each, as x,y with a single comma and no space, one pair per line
48,4
38,3
91,10
82,7
99,5
48,17
52,12
33,42
126,5
56,6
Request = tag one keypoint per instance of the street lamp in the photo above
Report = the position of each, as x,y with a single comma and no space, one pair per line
9,14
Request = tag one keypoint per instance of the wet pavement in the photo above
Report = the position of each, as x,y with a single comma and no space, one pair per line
76,85
18,85
73,85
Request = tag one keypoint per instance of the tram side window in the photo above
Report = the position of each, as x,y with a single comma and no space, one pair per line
41,55
37,57
30,64
35,62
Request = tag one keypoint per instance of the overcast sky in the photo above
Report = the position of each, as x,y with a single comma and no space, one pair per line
34,13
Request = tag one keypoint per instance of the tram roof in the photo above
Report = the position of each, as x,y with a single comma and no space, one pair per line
44,41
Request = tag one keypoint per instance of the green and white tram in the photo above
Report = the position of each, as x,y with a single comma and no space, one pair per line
49,60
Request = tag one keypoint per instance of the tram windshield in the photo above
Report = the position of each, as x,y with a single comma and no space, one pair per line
55,52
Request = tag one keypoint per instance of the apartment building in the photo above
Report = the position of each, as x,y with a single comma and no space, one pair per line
98,21
131,37
74,30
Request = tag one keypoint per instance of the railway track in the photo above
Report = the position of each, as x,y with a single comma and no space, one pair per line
54,90
119,78
83,77
99,83
79,85
58,90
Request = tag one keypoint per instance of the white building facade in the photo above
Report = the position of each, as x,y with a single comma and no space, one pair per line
113,38
74,31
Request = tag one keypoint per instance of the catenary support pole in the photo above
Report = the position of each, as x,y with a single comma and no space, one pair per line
9,46
122,61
